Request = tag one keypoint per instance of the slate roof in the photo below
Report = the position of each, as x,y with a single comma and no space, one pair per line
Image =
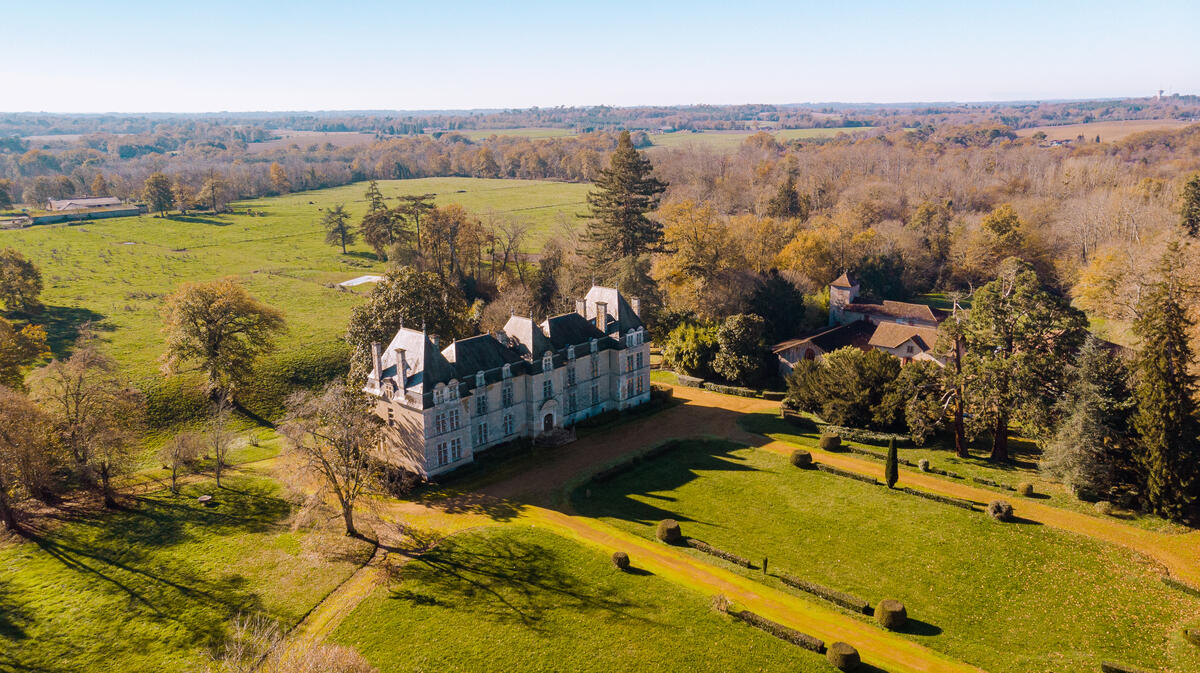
570,329
897,309
892,334
483,352
426,366
857,334
846,280
531,341
621,316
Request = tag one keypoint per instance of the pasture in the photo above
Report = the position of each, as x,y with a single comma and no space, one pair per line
523,599
1108,131
525,132
1010,598
729,141
285,138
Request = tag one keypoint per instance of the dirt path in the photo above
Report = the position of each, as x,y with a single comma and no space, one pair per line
329,613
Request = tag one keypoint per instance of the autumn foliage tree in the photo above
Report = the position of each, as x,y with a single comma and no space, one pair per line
25,456
158,193
18,350
20,281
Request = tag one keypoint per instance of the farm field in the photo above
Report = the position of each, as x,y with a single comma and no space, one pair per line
287,138
115,272
1009,598
522,599
526,132
727,141
1108,131
152,586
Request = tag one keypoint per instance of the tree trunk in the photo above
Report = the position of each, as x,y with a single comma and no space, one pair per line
174,486
7,515
106,488
960,432
1000,437
348,517
219,472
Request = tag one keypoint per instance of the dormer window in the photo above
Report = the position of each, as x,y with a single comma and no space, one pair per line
507,371
592,345
479,379
454,390
547,362
439,395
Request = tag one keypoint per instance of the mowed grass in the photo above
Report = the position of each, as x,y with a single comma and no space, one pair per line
1010,598
728,141
116,272
522,599
151,587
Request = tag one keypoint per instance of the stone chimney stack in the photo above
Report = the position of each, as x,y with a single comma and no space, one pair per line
402,370
581,307
601,315
636,303
376,362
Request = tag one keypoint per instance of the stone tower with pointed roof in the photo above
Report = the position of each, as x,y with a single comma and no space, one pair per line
442,407
842,293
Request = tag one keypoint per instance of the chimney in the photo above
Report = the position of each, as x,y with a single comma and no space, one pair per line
601,315
637,306
402,369
376,362
581,307
433,339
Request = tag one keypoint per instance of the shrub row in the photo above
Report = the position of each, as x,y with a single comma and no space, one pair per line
866,436
877,455
660,397
944,473
846,473
799,420
832,595
689,381
1109,667
774,395
1181,586
730,390
994,484
629,463
782,632
719,553
944,499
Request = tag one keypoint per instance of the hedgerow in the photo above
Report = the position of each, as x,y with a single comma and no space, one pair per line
848,601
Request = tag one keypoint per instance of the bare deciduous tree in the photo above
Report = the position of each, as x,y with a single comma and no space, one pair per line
178,453
218,436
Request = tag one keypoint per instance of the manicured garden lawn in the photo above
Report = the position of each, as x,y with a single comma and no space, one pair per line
521,599
148,588
1010,598
940,453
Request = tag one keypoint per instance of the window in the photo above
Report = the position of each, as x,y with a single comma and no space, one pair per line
507,371
391,417
571,374
508,424
454,390
908,349
547,363
455,449
481,402
480,381
571,402
595,366
438,395
595,395
506,395
547,389
454,419
443,456
481,434
439,424
629,363
641,385
639,359
570,352
629,387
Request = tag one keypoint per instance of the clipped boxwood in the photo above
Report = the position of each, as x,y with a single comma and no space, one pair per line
848,601
719,553
802,459
843,656
668,531
780,631
1103,507
621,560
1000,510
923,464
1025,489
891,615
830,443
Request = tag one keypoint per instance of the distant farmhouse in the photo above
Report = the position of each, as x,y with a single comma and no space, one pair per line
85,208
58,205
442,407
908,331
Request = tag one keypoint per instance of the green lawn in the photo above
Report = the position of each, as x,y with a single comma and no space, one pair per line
150,587
728,141
116,272
1010,598
520,599
939,451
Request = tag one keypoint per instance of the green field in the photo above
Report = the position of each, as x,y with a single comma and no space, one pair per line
509,599
116,272
526,132
1010,598
152,586
727,141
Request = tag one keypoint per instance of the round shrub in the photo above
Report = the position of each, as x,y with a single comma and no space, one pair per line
1104,507
891,614
1192,636
1025,489
621,560
923,464
802,458
1000,510
668,531
843,656
830,443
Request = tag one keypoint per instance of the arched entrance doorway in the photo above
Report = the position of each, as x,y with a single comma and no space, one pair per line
548,423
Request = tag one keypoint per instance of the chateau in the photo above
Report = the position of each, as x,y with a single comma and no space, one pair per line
442,406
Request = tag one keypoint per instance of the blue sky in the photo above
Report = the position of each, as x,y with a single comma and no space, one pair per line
254,55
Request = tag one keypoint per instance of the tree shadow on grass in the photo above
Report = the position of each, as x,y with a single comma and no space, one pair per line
197,219
13,616
503,578
663,473
63,325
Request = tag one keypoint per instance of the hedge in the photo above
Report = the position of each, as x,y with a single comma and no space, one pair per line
668,531
878,456
843,656
846,473
689,381
1180,586
944,499
891,614
828,442
730,390
773,395
782,632
843,599
719,553
946,473
866,436
994,484
1109,667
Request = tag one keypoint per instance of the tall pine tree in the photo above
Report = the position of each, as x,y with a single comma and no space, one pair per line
1190,212
625,192
1168,431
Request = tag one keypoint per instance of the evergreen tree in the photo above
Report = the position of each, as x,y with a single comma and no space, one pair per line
625,192
1190,215
1090,450
785,204
375,201
337,231
891,469
1168,446
741,351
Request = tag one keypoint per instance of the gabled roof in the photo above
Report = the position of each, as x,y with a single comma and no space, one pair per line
892,334
531,341
846,280
426,366
621,316
857,334
84,202
570,329
897,309
479,353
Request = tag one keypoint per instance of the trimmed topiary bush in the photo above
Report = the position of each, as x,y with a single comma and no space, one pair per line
843,656
1025,489
802,458
830,443
923,464
621,560
891,615
1000,510
1104,507
668,531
